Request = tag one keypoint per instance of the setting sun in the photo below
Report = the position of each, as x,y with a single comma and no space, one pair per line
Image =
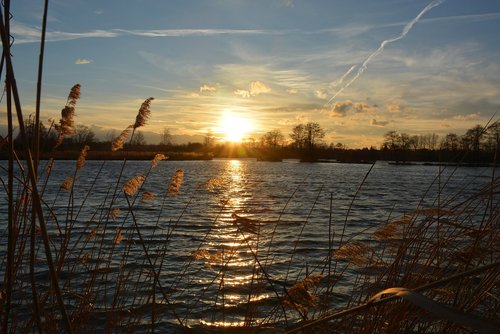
234,128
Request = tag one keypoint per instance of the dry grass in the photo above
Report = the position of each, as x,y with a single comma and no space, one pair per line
434,270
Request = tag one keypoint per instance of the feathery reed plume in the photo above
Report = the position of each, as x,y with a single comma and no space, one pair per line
92,234
200,254
68,183
175,184
81,158
118,236
158,157
215,183
132,185
114,213
50,165
143,114
147,196
355,252
119,141
66,123
299,297
393,229
85,258
245,224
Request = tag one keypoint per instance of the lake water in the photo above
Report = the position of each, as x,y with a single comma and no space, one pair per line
238,233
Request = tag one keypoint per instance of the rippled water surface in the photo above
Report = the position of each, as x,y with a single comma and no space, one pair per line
225,248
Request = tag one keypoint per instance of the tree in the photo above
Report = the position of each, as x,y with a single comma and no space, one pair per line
471,140
450,142
314,134
209,139
307,135
273,138
166,137
391,140
83,135
492,135
298,136
138,139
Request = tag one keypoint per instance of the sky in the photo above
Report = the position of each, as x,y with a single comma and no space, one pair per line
359,68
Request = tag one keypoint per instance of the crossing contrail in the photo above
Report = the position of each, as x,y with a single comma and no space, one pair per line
364,66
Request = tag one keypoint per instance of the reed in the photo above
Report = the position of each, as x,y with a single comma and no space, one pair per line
76,262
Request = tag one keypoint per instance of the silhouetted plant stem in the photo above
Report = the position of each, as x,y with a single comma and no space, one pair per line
10,183
31,173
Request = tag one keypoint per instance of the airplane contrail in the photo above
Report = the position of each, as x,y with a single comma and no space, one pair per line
364,66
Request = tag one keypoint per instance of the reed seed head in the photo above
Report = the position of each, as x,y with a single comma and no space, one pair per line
147,196
114,213
119,141
82,157
132,185
68,183
74,95
175,184
118,237
299,297
158,157
355,252
143,114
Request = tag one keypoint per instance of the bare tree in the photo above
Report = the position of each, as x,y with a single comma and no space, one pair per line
83,135
307,135
166,137
273,138
209,139
138,139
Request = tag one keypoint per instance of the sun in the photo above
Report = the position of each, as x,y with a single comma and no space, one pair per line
234,127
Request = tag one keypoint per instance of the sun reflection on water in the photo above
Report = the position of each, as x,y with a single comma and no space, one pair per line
235,240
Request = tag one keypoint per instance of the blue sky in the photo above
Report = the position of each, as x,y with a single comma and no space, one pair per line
275,63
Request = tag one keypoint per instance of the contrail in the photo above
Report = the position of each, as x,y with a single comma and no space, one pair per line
405,31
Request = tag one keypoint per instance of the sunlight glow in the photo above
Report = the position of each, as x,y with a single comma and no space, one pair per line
234,128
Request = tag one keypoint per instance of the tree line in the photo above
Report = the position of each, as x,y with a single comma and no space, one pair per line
305,141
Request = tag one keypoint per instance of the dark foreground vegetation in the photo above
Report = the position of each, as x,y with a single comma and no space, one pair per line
433,270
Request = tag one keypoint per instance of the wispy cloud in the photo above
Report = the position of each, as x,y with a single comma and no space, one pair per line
374,122
340,108
256,88
466,117
29,34
82,61
190,32
243,93
361,107
206,88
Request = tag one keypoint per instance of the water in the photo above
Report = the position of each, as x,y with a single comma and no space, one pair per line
224,248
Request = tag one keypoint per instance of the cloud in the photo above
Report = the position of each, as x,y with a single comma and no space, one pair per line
256,88
207,88
321,94
82,61
191,32
340,108
99,12
243,93
29,34
288,3
361,107
394,106
374,122
466,117
292,91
